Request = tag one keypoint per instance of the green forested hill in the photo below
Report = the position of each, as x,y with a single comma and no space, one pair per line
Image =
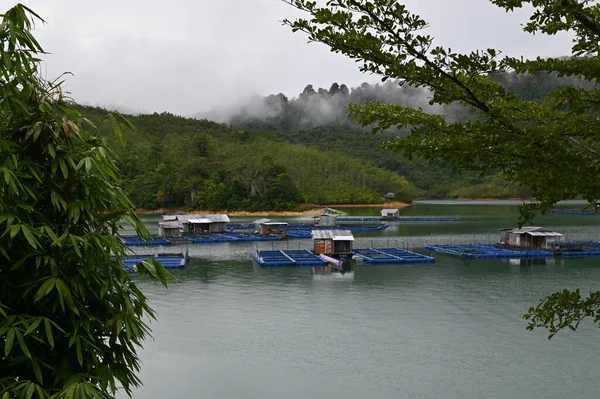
173,161
318,118
275,152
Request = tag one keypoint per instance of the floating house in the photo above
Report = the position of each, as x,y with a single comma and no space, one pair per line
170,229
530,237
269,227
332,242
192,224
387,214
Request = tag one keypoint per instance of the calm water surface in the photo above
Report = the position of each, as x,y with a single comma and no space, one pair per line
449,330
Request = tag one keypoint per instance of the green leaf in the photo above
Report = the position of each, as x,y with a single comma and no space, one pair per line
33,326
29,236
22,344
9,341
49,335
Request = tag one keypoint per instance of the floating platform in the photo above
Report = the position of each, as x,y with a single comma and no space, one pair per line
562,211
391,255
230,237
137,241
299,233
398,219
167,260
480,251
426,219
287,258
305,258
306,232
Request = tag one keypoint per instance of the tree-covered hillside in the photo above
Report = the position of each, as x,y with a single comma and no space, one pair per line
173,161
318,118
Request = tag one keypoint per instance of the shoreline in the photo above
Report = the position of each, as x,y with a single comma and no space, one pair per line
315,211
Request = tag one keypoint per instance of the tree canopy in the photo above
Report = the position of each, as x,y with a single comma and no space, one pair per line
71,319
550,146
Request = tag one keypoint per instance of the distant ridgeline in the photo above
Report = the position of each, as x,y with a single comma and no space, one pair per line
277,153
318,118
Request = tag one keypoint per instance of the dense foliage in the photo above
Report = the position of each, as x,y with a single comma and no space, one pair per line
182,162
550,146
319,118
71,318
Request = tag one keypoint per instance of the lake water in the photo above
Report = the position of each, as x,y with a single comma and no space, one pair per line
452,329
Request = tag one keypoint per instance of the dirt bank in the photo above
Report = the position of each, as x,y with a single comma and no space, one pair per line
317,210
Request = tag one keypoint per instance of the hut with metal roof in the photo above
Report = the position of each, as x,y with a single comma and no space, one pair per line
268,226
200,224
390,213
530,237
170,228
332,242
194,224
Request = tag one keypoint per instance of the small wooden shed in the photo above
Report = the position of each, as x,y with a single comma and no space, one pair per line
332,242
170,229
390,213
267,228
530,237
199,224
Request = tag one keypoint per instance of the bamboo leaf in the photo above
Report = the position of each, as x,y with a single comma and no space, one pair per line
29,236
9,341
22,344
33,326
49,335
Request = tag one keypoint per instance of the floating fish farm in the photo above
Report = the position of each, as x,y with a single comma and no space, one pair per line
561,211
398,219
287,258
231,237
480,251
168,261
577,249
391,255
137,241
305,258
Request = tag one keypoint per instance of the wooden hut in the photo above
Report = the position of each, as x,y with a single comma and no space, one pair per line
200,224
388,214
170,229
332,242
530,237
269,227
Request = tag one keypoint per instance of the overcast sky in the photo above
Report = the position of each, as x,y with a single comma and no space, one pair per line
188,56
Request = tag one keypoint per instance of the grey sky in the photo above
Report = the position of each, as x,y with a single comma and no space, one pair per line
187,56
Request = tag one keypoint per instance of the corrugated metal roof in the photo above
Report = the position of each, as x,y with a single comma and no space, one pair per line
214,218
275,224
260,221
199,221
169,217
544,234
526,229
171,224
335,235
389,210
536,231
